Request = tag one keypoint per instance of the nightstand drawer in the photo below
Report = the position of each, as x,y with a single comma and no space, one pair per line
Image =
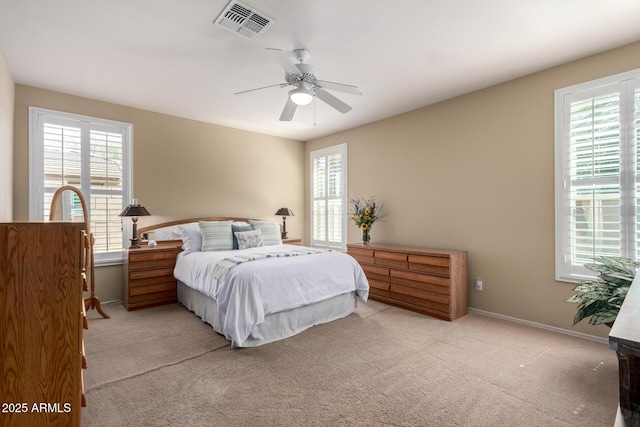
152,287
152,299
151,254
141,274
152,264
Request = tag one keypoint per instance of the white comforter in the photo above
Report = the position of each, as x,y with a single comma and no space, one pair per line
254,289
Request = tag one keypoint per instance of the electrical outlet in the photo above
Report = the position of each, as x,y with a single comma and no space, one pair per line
478,284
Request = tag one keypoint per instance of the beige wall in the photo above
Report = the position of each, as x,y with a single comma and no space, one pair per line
182,168
7,92
477,173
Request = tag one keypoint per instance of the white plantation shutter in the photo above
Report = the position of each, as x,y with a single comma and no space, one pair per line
328,197
90,154
597,173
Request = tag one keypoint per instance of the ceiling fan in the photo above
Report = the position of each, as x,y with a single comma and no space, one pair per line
307,86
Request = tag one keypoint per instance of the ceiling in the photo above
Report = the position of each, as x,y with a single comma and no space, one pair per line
168,56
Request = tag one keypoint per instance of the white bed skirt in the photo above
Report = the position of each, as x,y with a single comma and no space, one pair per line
276,326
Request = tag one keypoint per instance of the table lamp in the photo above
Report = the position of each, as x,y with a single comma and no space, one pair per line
135,210
284,213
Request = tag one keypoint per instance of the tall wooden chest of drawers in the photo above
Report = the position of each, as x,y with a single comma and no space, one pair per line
42,277
428,281
148,276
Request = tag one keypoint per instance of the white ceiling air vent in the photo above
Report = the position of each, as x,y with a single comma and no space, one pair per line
244,20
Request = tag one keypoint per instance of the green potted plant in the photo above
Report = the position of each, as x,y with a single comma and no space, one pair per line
602,297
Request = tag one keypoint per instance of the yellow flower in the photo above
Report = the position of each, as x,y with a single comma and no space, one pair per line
364,226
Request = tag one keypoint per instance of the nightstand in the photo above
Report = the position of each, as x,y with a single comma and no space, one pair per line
292,242
148,276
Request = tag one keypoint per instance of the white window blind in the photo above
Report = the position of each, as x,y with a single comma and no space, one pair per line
90,154
329,198
597,173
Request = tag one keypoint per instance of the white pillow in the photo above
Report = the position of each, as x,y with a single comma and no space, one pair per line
216,235
270,232
191,237
249,239
167,233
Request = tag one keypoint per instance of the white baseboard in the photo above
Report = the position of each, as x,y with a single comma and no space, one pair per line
541,326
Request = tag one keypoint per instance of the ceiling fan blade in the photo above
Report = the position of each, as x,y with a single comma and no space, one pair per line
332,101
339,87
283,60
288,111
260,88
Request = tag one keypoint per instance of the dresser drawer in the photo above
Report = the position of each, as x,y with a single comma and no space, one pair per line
379,292
421,298
391,259
422,281
429,264
378,284
376,273
429,260
363,256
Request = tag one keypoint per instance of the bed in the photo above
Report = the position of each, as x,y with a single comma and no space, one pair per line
238,276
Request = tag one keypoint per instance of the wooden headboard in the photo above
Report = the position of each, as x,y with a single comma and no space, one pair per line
150,228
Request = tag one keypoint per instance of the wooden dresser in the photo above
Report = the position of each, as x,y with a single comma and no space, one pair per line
148,276
428,281
41,320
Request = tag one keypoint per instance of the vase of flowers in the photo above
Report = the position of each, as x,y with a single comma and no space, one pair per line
364,213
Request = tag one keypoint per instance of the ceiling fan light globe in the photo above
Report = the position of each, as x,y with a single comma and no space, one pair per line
301,96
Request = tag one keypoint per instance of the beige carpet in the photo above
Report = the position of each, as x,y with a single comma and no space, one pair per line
381,366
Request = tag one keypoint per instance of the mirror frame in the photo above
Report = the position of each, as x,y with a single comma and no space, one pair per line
58,194
93,301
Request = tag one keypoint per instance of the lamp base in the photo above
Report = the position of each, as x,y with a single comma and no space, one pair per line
135,244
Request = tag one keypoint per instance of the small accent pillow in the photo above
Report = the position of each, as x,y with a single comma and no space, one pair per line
216,235
191,237
237,226
270,232
249,239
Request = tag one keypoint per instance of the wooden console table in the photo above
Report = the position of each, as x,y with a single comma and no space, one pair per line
624,338
428,281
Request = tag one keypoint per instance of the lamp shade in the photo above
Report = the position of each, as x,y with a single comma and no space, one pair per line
135,210
301,96
284,212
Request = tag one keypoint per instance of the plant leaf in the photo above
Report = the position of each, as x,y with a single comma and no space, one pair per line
604,317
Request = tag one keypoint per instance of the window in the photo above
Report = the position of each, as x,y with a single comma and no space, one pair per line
597,173
329,197
90,154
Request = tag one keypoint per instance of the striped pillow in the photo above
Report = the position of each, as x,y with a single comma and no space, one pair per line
216,235
270,232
